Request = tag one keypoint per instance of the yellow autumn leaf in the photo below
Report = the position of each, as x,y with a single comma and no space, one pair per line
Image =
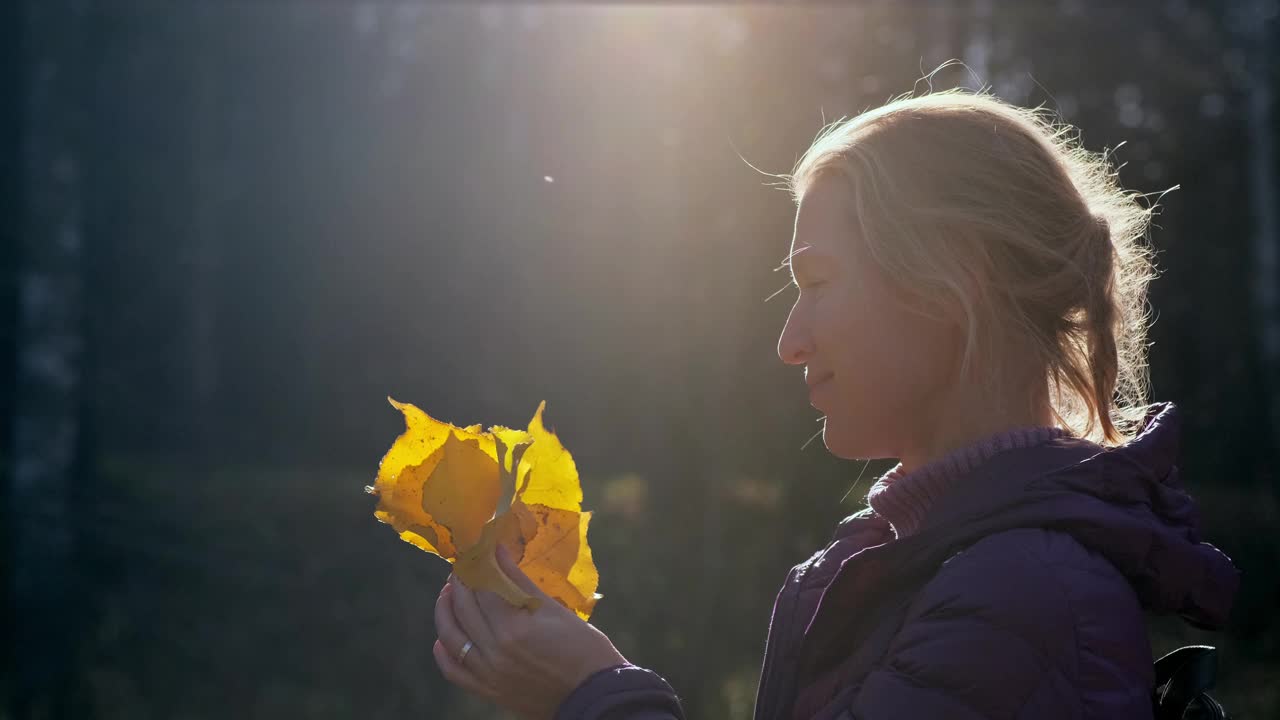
510,439
548,475
557,559
461,490
440,485
409,488
477,566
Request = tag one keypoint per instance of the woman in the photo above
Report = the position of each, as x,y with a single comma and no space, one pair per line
971,301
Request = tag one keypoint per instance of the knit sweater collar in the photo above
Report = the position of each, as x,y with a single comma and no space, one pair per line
903,498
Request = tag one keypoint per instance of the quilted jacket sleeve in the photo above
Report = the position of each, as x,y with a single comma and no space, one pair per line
992,636
624,692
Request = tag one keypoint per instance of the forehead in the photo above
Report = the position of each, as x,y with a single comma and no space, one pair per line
823,225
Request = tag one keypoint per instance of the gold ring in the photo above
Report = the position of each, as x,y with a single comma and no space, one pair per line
466,648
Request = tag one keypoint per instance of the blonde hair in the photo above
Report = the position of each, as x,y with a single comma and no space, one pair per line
993,215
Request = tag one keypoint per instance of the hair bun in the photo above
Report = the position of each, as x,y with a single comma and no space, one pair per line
1103,228
1100,249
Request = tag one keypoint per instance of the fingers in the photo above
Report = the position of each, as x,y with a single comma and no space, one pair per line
454,635
509,566
458,673
470,618
502,616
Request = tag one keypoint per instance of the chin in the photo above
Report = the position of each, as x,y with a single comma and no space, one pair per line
848,443
841,444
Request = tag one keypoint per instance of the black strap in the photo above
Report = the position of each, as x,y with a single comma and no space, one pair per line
1183,678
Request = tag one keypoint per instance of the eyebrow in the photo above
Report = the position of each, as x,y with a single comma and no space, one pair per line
809,257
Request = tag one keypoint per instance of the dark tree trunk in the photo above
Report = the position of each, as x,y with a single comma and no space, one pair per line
10,202
204,166
1262,183
43,581
978,48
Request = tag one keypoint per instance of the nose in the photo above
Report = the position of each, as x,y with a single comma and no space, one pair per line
796,343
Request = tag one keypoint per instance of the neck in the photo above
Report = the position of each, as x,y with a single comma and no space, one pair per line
969,414
962,435
903,496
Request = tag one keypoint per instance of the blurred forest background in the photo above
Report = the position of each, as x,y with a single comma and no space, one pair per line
230,230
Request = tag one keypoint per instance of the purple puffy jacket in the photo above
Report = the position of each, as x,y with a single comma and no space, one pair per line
1021,595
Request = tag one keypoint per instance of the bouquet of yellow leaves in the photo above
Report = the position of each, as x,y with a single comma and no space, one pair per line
441,486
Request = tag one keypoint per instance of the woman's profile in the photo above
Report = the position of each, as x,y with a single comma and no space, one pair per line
972,302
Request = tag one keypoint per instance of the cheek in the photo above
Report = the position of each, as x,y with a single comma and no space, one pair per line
873,351
891,367
902,362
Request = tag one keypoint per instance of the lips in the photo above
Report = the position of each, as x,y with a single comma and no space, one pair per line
817,380
814,385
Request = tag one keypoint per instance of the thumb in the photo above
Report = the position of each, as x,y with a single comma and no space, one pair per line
512,570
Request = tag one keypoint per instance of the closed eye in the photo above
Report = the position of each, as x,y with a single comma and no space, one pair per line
794,283
810,286
781,290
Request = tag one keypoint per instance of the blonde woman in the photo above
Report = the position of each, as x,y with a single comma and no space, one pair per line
971,302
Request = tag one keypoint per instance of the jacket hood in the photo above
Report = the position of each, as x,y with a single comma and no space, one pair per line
1126,503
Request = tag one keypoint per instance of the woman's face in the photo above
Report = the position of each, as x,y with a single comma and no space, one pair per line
876,370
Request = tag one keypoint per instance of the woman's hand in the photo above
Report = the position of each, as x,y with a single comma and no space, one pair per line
526,661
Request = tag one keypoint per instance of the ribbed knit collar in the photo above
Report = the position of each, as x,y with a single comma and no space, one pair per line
904,498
